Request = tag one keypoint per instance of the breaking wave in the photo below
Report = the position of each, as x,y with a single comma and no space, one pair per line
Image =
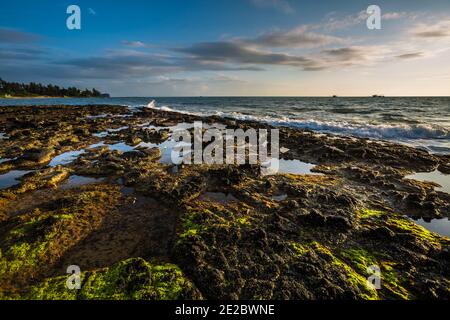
431,137
379,131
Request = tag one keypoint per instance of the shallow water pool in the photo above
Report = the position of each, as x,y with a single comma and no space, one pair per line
65,158
10,178
288,167
2,160
280,197
218,197
436,176
76,181
440,226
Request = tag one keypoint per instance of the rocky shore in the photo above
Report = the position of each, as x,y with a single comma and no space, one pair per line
90,186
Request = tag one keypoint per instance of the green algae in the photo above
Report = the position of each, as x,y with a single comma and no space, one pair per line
392,281
369,213
354,278
19,253
244,221
299,249
402,224
131,279
203,216
32,241
360,258
135,279
189,227
50,289
392,285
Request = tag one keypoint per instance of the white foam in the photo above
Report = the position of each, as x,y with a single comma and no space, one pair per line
151,104
378,131
404,133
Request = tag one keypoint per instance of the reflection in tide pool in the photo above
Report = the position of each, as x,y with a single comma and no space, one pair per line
287,167
218,197
121,146
76,181
71,156
10,179
440,226
437,177
65,158
2,160
166,149
280,197
118,129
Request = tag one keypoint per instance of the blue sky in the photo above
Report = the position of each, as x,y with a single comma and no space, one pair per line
230,47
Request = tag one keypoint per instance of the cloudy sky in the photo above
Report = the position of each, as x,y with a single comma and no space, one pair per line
230,47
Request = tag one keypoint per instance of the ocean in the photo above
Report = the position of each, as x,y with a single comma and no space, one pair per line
422,122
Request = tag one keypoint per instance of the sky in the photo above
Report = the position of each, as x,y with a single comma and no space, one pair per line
230,47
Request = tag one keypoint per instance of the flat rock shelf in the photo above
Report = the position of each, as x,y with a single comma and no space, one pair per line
95,186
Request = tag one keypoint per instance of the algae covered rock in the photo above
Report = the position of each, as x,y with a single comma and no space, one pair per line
131,279
31,243
260,248
235,233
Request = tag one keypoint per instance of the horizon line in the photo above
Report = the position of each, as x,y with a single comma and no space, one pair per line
281,96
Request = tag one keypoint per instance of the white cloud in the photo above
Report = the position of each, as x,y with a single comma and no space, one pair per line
299,37
438,29
336,23
281,5
136,44
393,15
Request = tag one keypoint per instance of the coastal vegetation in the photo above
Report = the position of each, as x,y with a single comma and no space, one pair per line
32,89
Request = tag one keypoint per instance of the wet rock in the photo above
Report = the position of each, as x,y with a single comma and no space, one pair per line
381,233
314,244
133,155
39,155
444,168
133,140
82,132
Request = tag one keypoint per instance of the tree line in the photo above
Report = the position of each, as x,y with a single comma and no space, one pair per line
16,89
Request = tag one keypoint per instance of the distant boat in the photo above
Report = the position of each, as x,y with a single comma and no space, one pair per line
377,96
335,96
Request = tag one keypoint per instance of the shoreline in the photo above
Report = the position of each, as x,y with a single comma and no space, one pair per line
225,231
430,136
291,124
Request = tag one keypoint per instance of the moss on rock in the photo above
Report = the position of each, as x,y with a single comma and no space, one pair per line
355,279
392,285
32,242
132,279
405,225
